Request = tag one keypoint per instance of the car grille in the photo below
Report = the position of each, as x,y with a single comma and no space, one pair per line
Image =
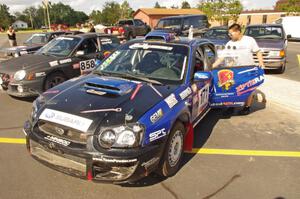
266,57
62,132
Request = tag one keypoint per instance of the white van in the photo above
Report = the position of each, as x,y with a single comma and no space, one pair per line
291,26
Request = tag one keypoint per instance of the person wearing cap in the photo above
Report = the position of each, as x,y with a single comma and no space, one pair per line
243,47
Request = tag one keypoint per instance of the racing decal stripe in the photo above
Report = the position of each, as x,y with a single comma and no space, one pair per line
135,91
13,140
238,152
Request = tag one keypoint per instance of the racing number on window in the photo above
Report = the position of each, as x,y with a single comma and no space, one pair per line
88,65
203,96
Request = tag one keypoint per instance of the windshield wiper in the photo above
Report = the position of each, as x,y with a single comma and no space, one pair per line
145,79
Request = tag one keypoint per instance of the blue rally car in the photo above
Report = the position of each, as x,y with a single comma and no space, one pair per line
132,115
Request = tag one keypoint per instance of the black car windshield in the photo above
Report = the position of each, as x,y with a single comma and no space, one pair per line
217,34
268,32
37,39
169,23
147,60
60,46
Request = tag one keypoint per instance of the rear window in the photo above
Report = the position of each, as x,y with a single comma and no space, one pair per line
109,43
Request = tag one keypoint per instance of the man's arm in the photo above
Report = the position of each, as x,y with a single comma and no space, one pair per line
260,59
218,62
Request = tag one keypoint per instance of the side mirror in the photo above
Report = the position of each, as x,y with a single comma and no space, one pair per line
202,76
289,36
80,53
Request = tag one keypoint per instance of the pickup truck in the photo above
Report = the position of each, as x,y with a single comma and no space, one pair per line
128,29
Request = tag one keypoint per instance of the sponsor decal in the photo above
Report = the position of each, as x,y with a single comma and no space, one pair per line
201,76
106,41
156,116
248,84
109,59
184,94
226,79
103,159
171,100
228,104
53,63
57,140
157,134
41,74
65,38
64,61
66,119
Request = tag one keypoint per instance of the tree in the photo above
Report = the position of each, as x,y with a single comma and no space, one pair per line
6,18
111,12
126,10
96,16
291,7
157,5
221,10
185,5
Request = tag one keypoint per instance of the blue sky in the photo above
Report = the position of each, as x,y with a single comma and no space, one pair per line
88,5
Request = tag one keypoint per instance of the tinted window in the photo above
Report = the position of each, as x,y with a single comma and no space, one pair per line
37,39
196,22
88,46
169,23
138,22
126,22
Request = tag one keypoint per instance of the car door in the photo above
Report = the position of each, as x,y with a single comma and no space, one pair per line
201,89
233,86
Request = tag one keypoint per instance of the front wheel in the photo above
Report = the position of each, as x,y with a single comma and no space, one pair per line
173,153
53,80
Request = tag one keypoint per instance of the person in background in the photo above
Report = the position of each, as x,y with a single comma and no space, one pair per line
245,46
11,36
91,28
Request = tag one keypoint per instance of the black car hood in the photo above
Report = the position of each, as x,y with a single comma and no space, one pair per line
25,62
72,97
270,43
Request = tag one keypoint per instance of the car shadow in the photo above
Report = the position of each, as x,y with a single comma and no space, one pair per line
25,99
202,133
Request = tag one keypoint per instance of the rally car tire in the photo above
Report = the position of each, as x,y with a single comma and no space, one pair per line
172,156
53,80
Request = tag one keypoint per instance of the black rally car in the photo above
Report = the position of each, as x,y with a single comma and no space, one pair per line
35,42
63,58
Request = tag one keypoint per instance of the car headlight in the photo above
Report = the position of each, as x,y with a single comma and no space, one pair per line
20,75
121,137
16,55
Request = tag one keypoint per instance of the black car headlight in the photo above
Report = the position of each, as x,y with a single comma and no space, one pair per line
125,136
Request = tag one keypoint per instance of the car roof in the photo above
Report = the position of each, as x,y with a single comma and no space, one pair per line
179,40
181,16
265,25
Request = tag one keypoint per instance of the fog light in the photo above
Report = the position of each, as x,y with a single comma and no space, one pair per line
20,89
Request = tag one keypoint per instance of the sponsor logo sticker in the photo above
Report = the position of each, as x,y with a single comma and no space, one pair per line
57,140
185,93
156,116
53,63
171,100
64,61
66,119
157,134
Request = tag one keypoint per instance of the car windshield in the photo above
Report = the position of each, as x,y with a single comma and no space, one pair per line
60,46
217,34
144,60
169,23
37,39
268,32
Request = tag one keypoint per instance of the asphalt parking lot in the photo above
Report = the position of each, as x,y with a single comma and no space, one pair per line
254,156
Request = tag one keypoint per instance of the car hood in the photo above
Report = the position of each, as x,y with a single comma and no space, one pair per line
270,43
76,97
26,62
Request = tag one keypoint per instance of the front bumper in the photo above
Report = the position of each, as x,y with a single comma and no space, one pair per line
25,88
116,166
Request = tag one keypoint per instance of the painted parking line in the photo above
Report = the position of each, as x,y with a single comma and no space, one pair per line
207,151
13,140
298,59
237,152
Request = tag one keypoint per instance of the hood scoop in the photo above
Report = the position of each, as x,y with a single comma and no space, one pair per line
102,86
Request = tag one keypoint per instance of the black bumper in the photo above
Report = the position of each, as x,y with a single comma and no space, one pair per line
88,163
30,88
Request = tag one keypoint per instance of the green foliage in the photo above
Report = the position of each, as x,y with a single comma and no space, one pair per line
291,7
5,18
221,10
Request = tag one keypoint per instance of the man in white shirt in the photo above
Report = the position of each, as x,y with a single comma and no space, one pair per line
240,51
